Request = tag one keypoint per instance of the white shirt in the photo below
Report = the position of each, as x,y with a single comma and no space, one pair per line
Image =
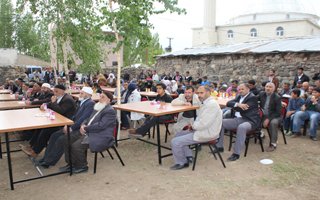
237,114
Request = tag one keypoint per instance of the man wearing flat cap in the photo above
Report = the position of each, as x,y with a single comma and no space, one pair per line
55,148
61,103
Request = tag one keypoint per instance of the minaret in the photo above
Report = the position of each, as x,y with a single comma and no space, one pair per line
207,35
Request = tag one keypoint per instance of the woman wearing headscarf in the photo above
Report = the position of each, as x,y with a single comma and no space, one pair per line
111,81
132,95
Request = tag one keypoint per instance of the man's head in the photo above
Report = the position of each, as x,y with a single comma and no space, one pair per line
125,85
311,88
59,90
251,84
270,87
300,71
177,73
161,87
203,93
85,93
45,87
205,78
286,86
316,93
154,72
305,86
19,82
272,72
188,93
295,93
234,83
105,98
244,89
36,87
187,73
299,84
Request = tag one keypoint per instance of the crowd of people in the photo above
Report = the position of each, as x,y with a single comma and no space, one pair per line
250,108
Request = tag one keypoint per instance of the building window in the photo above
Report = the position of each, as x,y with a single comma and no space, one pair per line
114,63
253,32
280,31
230,33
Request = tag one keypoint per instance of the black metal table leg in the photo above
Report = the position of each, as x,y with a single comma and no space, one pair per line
159,143
9,161
69,150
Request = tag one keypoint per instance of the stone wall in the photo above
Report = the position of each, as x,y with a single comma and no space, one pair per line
11,73
242,67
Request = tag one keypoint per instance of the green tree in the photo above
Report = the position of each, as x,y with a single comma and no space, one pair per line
32,37
6,24
135,52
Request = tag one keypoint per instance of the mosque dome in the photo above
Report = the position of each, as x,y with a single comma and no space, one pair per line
260,11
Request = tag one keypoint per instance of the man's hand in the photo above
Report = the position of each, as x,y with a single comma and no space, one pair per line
187,104
42,107
53,99
65,129
303,108
28,102
82,131
243,106
289,113
266,123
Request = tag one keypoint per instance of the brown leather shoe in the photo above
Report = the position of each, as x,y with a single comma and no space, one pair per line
29,152
271,148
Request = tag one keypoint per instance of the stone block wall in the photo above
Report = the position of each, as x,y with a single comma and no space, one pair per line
11,72
243,67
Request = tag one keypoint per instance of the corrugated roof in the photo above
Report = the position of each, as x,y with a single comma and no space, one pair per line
283,45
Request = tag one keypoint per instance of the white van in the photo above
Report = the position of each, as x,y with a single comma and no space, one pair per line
31,69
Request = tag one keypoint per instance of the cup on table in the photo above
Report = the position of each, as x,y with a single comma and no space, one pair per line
162,105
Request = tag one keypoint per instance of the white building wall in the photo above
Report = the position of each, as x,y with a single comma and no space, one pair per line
266,31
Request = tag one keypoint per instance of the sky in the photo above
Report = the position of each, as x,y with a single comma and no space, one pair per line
179,27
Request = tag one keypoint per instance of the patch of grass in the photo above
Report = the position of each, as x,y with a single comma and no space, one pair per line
286,174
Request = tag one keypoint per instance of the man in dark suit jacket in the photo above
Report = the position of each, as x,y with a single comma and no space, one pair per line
246,118
96,133
300,76
270,102
61,103
55,148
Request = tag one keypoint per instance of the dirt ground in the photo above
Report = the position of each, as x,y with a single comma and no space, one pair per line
293,175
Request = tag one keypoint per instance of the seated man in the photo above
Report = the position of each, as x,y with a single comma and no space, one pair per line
246,119
55,148
61,103
295,103
96,133
309,111
186,118
45,95
205,128
270,102
151,121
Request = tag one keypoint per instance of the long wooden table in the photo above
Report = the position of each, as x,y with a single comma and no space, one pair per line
108,89
28,119
146,107
11,105
5,91
8,97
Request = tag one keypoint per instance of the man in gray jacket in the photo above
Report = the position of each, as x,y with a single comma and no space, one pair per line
188,98
205,128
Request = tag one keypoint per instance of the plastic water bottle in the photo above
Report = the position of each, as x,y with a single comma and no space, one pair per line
52,115
45,106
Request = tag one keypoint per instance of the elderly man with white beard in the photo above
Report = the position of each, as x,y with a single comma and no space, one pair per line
96,133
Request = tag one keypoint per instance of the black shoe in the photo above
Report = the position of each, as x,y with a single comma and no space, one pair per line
220,149
178,166
234,157
64,168
313,138
44,165
190,159
78,170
